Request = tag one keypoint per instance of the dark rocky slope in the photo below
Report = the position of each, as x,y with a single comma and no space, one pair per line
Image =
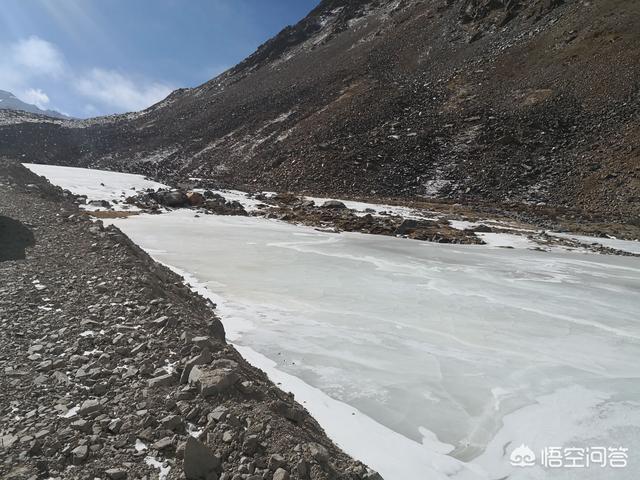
90,321
471,100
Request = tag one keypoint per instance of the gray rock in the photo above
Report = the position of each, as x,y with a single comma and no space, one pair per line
89,406
79,454
82,426
162,381
115,425
302,468
173,199
99,203
204,358
281,474
371,475
199,462
250,444
35,348
334,204
172,422
204,343
7,441
276,461
116,473
405,226
218,414
163,444
212,381
318,452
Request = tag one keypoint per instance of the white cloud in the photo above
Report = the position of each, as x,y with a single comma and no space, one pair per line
38,57
31,65
36,97
120,91
28,59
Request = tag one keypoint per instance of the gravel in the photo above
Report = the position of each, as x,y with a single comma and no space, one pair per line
85,391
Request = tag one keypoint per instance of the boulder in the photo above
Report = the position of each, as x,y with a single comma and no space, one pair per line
79,454
276,461
250,444
334,204
281,474
200,463
116,473
482,229
99,203
205,343
165,443
172,199
88,407
162,381
15,238
218,414
172,422
406,226
203,358
319,453
212,381
195,199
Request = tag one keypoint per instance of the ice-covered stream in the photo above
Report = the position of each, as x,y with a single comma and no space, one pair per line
426,360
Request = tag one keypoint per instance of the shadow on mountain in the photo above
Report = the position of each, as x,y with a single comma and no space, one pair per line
14,239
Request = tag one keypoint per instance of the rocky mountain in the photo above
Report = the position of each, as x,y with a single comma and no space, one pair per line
8,101
525,101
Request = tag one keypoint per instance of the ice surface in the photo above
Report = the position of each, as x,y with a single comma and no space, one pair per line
406,351
439,343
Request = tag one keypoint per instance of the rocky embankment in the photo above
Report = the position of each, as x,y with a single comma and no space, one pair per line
111,368
158,201
335,215
331,215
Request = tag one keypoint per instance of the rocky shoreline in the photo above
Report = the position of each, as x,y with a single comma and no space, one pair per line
112,368
424,221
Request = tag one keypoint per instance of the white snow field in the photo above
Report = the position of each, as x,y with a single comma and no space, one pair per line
95,184
425,361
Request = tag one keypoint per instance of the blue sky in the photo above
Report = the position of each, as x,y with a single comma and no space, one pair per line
95,57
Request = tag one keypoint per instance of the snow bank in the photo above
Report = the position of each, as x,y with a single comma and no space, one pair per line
95,184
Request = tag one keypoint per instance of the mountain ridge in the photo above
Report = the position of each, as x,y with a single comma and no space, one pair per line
8,101
462,100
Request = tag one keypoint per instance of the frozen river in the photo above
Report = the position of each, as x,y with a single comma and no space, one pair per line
425,360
